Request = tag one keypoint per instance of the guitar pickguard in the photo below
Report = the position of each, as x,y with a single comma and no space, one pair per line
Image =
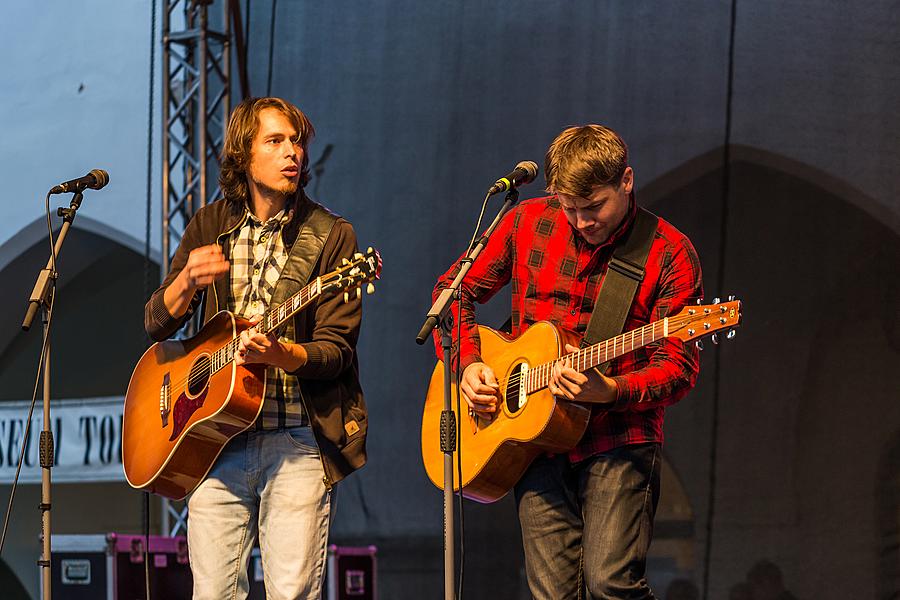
183,410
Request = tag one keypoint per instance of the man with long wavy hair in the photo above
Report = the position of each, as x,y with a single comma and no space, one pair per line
245,253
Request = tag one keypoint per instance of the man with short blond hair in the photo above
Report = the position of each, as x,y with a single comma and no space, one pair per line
586,516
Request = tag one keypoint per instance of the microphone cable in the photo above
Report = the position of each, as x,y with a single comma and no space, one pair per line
478,224
271,48
459,418
459,423
720,278
37,380
145,496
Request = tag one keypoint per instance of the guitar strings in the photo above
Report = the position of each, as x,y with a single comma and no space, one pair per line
544,373
313,289
269,316
674,322
197,375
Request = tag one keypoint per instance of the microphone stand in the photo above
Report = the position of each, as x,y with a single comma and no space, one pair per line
439,314
42,297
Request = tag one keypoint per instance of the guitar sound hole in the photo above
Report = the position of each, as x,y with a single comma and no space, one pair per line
512,389
199,376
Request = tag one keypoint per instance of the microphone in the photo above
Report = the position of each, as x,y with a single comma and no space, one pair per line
95,180
525,172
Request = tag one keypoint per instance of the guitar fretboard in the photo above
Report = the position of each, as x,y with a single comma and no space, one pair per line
278,315
272,319
539,376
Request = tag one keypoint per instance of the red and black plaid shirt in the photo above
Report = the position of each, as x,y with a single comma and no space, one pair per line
556,276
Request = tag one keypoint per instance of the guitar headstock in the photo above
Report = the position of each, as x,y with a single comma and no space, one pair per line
362,268
700,320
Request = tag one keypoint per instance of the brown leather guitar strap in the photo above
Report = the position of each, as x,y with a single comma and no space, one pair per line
623,275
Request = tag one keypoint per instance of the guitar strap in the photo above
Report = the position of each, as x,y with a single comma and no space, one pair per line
623,275
305,252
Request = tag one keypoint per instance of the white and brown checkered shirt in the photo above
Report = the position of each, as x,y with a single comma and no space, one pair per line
257,255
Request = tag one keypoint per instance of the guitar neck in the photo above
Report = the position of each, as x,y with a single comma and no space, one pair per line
363,268
271,321
592,356
278,315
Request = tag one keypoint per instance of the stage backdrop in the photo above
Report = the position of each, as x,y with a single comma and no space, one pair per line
424,105
789,448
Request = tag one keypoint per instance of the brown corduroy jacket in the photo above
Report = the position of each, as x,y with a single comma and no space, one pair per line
328,330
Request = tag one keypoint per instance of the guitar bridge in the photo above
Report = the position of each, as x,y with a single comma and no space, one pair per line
522,388
516,390
164,401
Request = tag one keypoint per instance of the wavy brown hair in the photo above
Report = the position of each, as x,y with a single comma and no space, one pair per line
242,128
581,158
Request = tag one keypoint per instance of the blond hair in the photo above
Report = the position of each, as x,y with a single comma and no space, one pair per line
581,158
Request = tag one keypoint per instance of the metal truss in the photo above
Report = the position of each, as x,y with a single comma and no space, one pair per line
195,106
196,72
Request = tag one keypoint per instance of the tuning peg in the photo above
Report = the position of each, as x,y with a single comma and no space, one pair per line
699,345
370,289
731,298
730,335
358,293
699,300
344,261
715,338
357,255
346,296
369,250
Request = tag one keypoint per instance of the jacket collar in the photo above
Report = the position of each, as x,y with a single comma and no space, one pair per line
236,212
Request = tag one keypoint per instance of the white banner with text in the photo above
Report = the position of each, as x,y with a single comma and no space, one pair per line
87,435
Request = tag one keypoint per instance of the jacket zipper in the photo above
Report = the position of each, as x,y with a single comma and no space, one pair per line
325,479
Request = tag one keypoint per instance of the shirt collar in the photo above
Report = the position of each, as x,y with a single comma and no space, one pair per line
277,221
625,226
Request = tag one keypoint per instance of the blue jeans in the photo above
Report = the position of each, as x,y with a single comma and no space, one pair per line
269,485
589,525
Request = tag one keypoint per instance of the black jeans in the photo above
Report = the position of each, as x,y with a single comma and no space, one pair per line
589,524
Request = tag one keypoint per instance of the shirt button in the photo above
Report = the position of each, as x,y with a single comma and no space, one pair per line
262,238
256,271
573,311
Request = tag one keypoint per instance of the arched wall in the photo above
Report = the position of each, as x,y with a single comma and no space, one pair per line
808,388
97,332
97,337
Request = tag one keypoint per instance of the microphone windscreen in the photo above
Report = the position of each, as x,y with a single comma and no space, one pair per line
101,178
530,167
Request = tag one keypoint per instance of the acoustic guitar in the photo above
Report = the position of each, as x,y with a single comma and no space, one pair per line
497,450
187,398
